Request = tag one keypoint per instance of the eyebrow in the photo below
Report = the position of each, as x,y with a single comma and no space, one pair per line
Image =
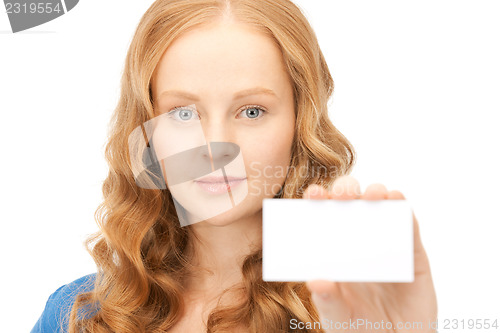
238,95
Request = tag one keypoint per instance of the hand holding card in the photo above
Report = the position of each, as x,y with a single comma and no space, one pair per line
373,302
359,240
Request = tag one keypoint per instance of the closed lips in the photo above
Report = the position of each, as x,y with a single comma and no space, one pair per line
219,179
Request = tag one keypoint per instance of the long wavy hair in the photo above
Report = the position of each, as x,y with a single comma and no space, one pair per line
140,247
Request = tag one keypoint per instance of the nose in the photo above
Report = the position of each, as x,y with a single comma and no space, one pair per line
215,129
222,153
221,150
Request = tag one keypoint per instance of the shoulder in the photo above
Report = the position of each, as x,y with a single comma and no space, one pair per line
60,302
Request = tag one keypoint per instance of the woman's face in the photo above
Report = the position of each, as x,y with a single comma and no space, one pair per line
228,84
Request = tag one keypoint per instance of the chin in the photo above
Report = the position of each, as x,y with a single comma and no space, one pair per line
217,221
231,216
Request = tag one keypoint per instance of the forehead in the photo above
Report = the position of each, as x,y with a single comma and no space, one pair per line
226,55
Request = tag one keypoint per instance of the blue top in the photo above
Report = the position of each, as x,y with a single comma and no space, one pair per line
59,305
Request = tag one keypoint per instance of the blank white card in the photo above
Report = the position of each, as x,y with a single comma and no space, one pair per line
337,240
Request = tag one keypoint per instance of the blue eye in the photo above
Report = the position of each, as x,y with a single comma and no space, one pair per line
252,112
183,114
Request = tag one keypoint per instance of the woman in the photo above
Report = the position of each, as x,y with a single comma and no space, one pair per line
250,73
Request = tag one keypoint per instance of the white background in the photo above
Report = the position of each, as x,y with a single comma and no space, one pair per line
416,92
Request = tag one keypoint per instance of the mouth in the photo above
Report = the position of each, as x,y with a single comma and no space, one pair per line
218,185
213,179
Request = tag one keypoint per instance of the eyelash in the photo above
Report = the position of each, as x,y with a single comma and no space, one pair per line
258,107
178,108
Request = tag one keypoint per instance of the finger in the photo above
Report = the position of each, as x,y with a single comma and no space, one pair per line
395,195
329,300
315,191
375,192
345,188
420,256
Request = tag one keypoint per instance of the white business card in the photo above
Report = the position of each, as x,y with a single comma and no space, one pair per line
337,240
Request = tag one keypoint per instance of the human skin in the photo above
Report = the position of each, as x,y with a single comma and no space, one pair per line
215,62
375,302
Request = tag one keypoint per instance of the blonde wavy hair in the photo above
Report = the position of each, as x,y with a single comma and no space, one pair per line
140,248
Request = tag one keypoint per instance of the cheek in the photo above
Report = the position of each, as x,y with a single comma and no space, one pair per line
170,140
270,152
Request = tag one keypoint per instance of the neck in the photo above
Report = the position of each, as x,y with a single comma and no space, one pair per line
218,252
